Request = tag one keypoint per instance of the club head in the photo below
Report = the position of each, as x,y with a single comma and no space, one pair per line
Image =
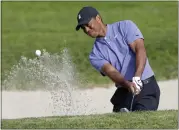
124,110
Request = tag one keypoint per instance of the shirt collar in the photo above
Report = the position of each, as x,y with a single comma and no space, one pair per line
107,33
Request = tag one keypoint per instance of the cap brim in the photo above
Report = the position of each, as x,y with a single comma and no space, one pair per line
81,23
78,27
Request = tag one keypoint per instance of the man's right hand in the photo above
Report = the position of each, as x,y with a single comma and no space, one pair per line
132,88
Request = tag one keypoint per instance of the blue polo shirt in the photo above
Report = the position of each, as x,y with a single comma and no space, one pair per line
114,49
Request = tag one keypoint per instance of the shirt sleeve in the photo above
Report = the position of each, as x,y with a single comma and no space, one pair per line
97,61
132,32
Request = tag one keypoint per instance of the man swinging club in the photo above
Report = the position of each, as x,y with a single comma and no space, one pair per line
119,53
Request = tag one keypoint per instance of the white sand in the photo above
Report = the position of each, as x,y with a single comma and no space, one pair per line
91,101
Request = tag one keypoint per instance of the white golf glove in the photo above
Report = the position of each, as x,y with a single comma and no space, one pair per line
138,83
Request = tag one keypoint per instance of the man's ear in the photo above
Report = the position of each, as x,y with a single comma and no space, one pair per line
98,18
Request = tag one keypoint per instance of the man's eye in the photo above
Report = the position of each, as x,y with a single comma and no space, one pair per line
83,27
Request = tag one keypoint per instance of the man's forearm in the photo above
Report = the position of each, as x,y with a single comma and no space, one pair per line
118,78
140,62
114,75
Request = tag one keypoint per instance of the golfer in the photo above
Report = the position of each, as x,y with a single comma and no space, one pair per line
119,53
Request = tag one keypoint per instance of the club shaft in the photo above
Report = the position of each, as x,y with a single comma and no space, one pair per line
132,102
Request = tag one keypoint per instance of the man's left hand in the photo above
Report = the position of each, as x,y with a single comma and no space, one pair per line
137,82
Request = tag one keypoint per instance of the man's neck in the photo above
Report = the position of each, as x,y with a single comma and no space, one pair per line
103,30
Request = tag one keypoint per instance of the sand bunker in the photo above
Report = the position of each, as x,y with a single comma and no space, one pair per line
81,102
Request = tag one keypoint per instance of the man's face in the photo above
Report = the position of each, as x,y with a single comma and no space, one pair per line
93,28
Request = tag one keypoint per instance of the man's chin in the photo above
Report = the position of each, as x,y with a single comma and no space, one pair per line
93,36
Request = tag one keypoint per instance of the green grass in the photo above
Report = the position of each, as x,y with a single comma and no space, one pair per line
137,120
27,26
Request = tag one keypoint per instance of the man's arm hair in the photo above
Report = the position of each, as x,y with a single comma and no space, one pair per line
138,47
114,75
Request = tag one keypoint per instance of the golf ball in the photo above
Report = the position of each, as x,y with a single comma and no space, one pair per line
38,52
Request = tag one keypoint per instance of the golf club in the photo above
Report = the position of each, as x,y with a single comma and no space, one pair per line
125,109
132,102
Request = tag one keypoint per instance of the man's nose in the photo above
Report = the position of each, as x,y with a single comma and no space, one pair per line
86,29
